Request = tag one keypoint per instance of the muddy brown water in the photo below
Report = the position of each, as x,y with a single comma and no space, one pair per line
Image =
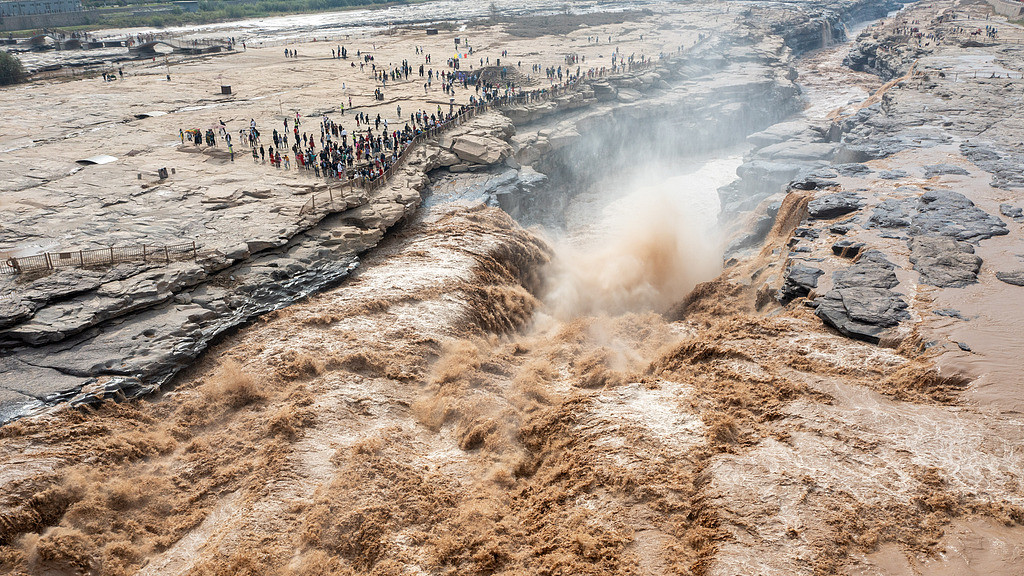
484,399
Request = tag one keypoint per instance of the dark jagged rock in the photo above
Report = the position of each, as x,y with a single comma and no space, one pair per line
815,179
1011,211
948,213
862,304
853,169
872,269
843,227
805,184
890,213
834,205
806,232
95,392
943,169
1004,165
862,313
823,174
1015,277
944,262
847,248
892,174
800,280
963,346
950,313
940,213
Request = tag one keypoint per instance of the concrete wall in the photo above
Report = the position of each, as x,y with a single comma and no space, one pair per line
34,7
10,23
1008,8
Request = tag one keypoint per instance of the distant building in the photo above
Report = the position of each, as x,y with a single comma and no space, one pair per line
38,7
1010,8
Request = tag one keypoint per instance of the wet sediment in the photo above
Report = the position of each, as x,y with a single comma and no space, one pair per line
438,392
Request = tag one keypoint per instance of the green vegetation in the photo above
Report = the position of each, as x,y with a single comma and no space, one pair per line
214,10
11,70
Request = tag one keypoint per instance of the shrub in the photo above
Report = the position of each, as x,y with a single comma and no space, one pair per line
11,70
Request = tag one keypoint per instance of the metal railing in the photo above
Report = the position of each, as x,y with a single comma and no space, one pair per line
97,257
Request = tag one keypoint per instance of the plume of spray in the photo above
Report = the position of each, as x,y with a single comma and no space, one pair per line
654,249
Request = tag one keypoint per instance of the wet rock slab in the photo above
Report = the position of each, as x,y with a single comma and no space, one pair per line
1015,277
938,213
800,281
862,304
944,262
834,205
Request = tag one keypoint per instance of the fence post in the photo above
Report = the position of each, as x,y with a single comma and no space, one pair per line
167,254
111,255
194,256
81,259
143,253
49,264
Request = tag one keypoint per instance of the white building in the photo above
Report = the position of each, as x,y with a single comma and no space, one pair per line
35,7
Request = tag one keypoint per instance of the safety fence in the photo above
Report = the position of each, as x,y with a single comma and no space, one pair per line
98,257
326,200
963,76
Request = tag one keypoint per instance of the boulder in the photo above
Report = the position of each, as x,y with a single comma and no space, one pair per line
777,133
446,159
628,95
565,135
799,282
815,179
944,262
847,248
950,313
834,205
892,174
871,270
862,313
1016,277
889,213
1011,211
932,170
603,90
862,304
1003,164
853,169
480,149
798,151
806,232
948,213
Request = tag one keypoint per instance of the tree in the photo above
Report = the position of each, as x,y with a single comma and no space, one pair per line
11,70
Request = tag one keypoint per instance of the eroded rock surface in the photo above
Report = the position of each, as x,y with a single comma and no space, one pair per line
862,303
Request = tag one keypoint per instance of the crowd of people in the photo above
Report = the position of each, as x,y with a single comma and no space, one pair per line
942,29
375,143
